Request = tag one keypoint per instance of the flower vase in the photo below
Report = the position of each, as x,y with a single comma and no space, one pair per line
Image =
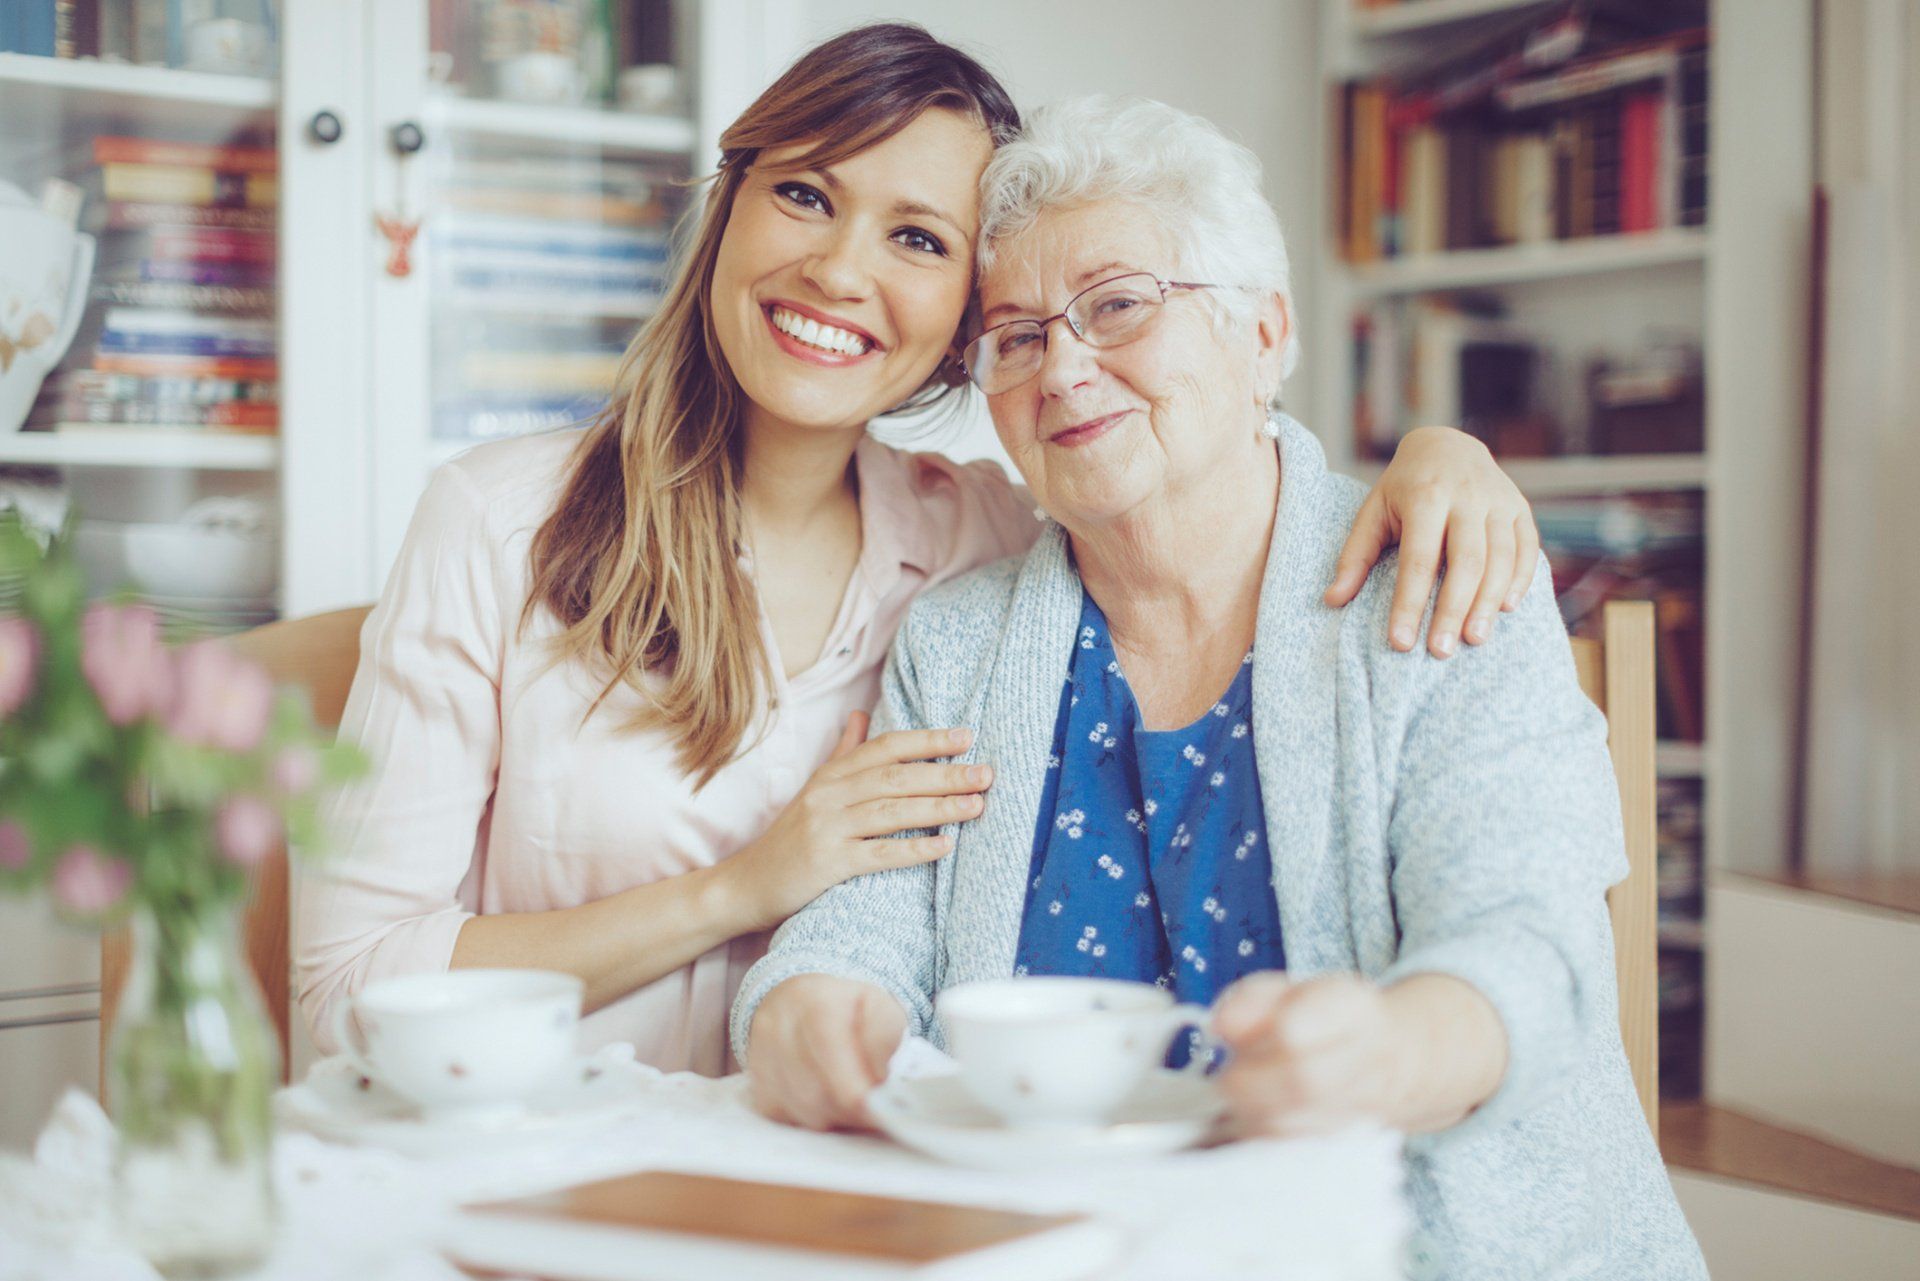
191,1067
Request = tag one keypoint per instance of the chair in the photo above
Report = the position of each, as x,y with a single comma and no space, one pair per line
318,654
1616,672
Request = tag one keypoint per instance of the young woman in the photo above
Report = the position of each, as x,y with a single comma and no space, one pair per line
616,686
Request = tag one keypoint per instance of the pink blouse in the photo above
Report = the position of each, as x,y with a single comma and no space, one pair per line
490,795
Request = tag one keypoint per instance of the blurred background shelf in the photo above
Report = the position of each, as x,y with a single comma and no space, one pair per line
141,447
48,97
1427,15
535,127
1680,760
1520,264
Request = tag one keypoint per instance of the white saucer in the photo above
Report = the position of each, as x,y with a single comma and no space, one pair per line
338,1104
936,1115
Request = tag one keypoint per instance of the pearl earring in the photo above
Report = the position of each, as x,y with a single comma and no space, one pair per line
1270,426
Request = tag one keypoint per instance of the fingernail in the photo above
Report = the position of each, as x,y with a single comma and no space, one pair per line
1511,603
1476,630
980,775
959,737
1443,644
1403,637
971,803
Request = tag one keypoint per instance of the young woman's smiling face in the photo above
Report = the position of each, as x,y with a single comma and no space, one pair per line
838,290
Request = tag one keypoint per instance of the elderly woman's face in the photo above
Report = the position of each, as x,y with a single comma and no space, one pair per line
1097,432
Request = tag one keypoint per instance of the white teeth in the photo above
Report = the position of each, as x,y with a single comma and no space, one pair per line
815,334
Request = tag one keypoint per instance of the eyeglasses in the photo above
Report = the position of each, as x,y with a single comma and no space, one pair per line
1108,314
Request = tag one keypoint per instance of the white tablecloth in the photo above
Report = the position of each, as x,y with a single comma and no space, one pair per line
1325,1209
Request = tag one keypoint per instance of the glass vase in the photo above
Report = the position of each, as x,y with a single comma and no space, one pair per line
191,1067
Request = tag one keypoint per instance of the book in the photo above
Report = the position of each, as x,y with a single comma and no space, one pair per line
160,293
134,215
664,1225
114,149
185,185
154,366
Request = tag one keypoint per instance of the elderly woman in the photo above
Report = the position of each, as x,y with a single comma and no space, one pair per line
1386,871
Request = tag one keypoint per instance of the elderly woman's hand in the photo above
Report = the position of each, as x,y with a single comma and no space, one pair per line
1317,1054
1443,498
817,1046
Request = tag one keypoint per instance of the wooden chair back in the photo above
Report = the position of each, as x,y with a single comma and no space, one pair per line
318,654
1616,672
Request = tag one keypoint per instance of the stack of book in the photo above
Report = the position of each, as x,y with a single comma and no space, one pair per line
154,32
543,267
505,376
1572,130
1641,546
554,236
182,332
1447,358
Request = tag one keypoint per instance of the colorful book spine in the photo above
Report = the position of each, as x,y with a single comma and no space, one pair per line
253,368
160,293
112,149
129,215
174,184
183,345
214,244
178,271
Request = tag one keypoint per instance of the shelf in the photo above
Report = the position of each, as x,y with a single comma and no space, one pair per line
77,98
1546,477
187,447
1520,264
1680,760
563,127
1424,15
1590,474
561,305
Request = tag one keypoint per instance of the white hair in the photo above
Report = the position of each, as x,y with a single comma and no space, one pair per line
1202,188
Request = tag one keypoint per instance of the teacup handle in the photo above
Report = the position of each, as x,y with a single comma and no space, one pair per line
344,1031
1188,1014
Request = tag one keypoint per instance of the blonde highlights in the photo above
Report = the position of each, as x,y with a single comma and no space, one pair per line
639,560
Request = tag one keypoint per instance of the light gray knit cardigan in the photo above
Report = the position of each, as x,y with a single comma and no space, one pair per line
1455,817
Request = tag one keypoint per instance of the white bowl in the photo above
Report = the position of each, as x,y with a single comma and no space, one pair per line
203,562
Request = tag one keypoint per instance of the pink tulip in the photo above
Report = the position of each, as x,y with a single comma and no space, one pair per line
221,700
19,656
88,883
124,660
247,829
15,848
295,770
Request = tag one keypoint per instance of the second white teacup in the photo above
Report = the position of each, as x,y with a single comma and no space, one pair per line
466,1042
1060,1050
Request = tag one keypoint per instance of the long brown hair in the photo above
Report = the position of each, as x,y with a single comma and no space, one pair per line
639,559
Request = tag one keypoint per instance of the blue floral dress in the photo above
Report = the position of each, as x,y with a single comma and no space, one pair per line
1150,857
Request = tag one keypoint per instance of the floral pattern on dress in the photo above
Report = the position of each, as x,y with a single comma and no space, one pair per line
1150,855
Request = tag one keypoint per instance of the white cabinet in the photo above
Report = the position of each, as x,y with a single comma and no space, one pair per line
244,281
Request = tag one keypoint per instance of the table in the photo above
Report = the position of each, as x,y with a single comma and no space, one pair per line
1322,1209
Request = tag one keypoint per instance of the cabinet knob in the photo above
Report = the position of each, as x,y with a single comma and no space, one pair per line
325,127
407,137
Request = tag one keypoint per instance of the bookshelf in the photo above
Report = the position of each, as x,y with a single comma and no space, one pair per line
78,445
562,129
1414,17
1520,264
1732,289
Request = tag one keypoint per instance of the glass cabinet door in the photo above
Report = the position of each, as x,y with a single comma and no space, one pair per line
139,295
532,170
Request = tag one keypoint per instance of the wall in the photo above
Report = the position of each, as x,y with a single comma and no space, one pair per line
1247,66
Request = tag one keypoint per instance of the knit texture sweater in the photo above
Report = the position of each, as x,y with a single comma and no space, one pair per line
1454,817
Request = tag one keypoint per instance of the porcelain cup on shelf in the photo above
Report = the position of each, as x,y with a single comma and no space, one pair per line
1061,1050
465,1044
45,267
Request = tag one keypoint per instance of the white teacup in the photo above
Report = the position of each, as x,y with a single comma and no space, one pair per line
1060,1050
466,1042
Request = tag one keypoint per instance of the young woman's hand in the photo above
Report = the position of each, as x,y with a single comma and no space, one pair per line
841,824
1443,499
817,1046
